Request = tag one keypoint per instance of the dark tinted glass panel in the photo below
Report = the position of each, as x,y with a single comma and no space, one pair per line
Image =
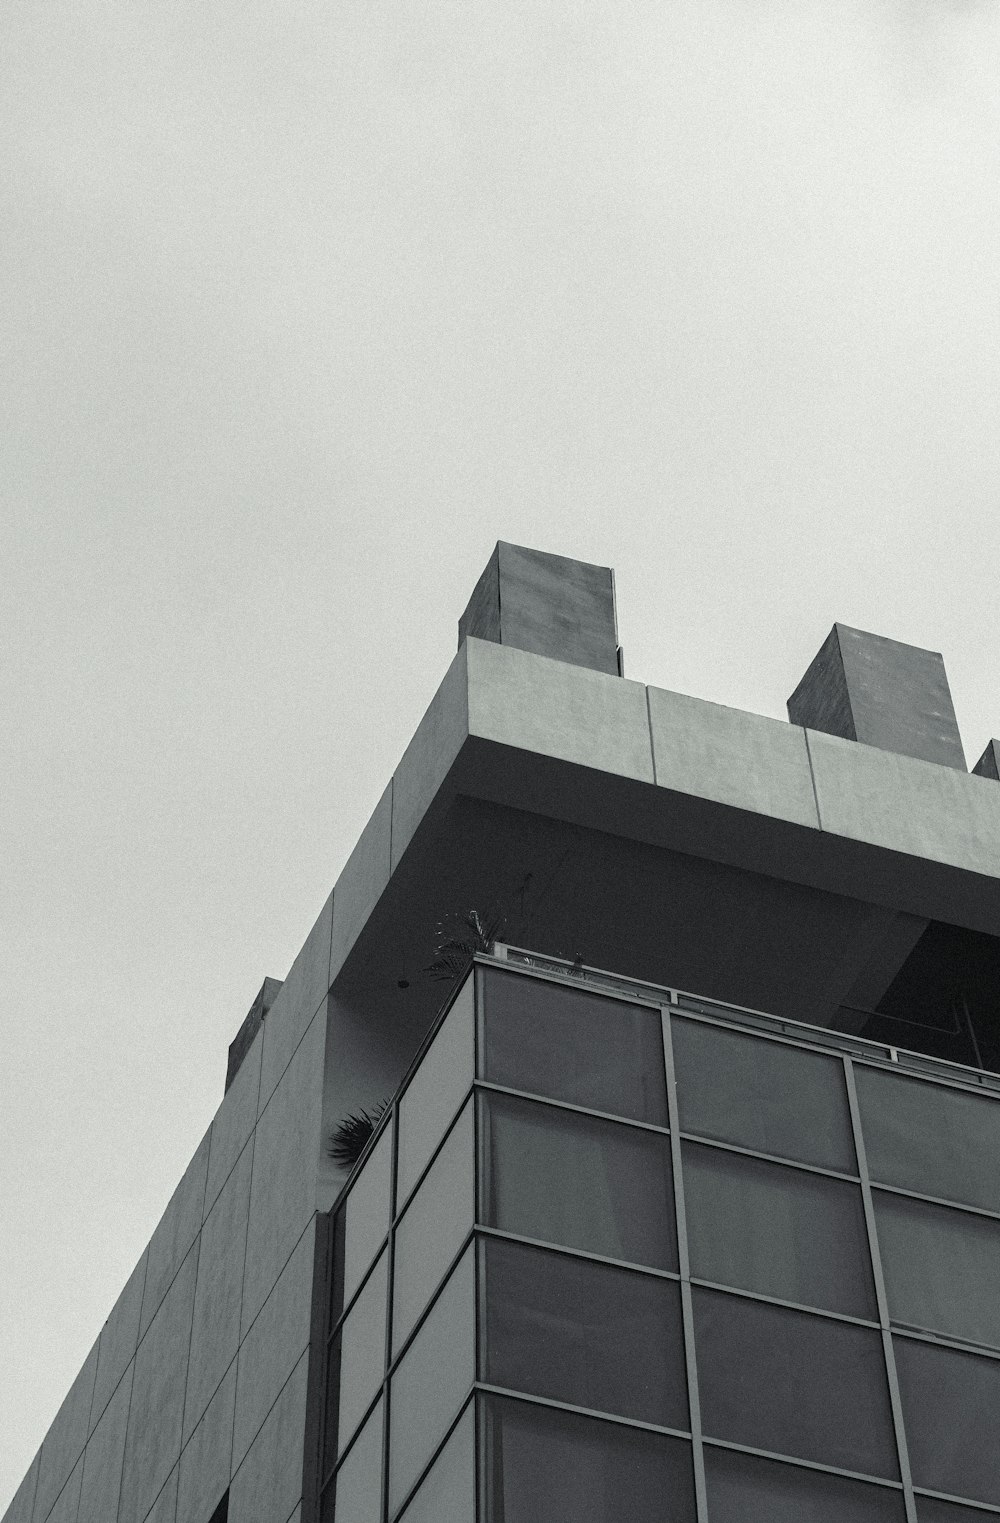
357,1361
567,1178
793,1383
930,1510
546,1466
745,1489
574,1046
355,1494
762,1095
925,1137
584,1333
951,1409
942,1268
779,1231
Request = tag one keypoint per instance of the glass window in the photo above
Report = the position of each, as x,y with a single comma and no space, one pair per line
357,1360
951,1402
763,1095
432,1380
931,1510
447,1493
793,1383
436,1221
942,1268
576,1046
925,1137
437,1089
355,1494
572,1179
363,1221
743,1488
588,1334
547,1466
780,1231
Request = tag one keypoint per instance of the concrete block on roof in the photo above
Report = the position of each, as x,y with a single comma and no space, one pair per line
268,1483
273,1345
365,875
882,693
298,999
164,1509
119,1340
67,1503
215,1329
906,805
436,742
23,1501
63,1445
156,1411
102,1465
745,760
567,712
234,1122
286,1155
988,764
254,1019
547,604
177,1229
206,1461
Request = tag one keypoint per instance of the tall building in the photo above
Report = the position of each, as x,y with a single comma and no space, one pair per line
684,1206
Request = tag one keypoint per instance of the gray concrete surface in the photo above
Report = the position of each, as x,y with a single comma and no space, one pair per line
286,1153
65,1440
102,1470
234,1122
215,1328
156,1411
436,742
274,1343
365,875
880,692
206,1462
299,998
566,712
176,1231
744,760
268,1484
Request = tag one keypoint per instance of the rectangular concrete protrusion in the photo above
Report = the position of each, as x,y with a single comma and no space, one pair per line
882,693
988,764
548,605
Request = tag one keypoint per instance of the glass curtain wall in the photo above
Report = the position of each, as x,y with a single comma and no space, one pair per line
611,1260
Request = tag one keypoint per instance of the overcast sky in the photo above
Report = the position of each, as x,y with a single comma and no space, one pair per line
302,307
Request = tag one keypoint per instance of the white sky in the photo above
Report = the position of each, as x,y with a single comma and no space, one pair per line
302,307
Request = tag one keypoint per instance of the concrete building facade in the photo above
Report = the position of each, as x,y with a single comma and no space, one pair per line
685,1204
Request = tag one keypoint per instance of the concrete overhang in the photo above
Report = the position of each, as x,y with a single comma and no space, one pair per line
565,745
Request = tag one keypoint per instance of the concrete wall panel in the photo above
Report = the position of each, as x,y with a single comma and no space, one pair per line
723,754
365,875
268,1484
102,1467
215,1332
23,1501
274,1343
906,805
300,997
67,1504
164,1509
234,1122
436,743
65,1440
153,1442
286,1151
553,709
207,1458
119,1340
177,1230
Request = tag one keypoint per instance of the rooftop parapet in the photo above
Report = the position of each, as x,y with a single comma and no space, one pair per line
546,604
882,693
